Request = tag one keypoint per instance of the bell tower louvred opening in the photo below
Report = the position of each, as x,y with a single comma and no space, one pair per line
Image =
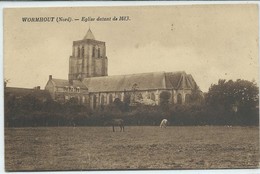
88,58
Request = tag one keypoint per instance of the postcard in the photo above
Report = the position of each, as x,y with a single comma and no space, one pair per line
131,87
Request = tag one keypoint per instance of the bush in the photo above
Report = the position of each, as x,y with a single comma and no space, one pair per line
29,111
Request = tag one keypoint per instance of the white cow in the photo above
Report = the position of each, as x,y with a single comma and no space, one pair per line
164,123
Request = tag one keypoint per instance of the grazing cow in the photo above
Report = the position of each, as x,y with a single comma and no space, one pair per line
116,122
164,123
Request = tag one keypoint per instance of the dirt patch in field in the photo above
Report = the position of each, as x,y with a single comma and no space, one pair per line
91,148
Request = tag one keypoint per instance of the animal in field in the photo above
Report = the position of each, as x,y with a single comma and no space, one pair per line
164,123
116,122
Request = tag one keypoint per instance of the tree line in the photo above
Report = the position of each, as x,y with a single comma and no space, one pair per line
226,103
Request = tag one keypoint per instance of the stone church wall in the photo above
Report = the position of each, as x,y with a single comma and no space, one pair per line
148,97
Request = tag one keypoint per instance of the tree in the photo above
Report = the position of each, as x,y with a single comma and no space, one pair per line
30,103
134,92
127,101
240,96
52,106
72,105
119,104
196,95
164,100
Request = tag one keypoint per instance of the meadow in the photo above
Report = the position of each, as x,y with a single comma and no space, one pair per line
139,147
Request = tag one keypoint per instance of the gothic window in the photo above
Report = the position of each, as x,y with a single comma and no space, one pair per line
79,76
187,98
152,96
78,52
98,52
179,99
82,51
93,51
139,96
110,99
94,101
102,100
119,96
147,95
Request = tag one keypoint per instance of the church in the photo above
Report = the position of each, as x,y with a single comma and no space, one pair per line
88,81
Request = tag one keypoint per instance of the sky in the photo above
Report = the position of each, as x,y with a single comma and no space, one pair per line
210,42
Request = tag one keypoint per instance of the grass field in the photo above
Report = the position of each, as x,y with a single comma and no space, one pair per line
147,147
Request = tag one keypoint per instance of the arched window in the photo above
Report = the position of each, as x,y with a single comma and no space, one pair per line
79,76
110,98
93,51
98,52
78,52
119,96
127,98
152,96
102,100
179,99
147,95
94,101
82,51
187,98
83,99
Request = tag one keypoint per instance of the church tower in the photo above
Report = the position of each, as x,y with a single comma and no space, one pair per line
88,58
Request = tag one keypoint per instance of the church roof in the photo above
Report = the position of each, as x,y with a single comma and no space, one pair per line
60,82
89,35
77,83
63,83
179,80
143,81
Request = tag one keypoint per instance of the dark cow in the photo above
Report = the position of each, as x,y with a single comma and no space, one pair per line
116,122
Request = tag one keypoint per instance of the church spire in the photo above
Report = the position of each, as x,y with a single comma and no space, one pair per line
89,35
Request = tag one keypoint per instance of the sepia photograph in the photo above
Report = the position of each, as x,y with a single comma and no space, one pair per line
149,87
